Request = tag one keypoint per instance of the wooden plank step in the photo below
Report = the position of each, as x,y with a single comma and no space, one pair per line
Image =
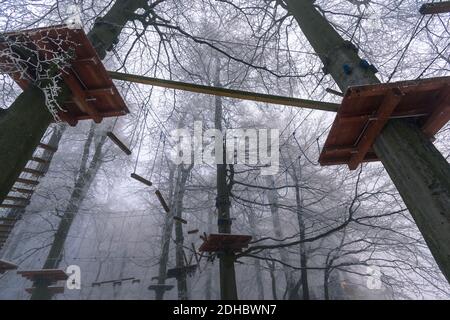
27,181
141,179
39,160
178,219
162,201
12,198
12,206
6,266
435,7
119,143
34,172
193,231
47,147
22,190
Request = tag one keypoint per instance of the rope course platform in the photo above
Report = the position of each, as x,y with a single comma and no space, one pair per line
435,7
224,242
365,110
177,272
7,266
51,275
94,95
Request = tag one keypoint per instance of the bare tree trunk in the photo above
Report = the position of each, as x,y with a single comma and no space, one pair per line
257,263
228,289
179,238
274,209
166,237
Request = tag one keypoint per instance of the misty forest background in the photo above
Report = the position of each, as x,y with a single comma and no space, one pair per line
322,224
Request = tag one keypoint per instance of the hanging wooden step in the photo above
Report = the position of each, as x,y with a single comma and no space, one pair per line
27,181
119,143
34,172
141,179
161,287
39,160
435,7
47,147
7,266
193,231
181,220
22,190
336,93
162,201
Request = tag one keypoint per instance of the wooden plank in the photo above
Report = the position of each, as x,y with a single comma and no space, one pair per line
217,91
12,206
336,93
141,179
22,190
100,92
435,7
79,97
390,102
193,231
48,274
13,198
178,219
34,172
164,287
162,201
52,290
39,160
6,266
119,143
27,181
47,147
440,115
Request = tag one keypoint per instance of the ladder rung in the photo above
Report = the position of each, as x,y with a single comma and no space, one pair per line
47,147
119,143
179,219
12,198
12,206
40,160
27,181
22,190
34,171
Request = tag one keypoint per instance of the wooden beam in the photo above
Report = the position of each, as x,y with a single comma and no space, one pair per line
119,143
435,7
440,115
237,94
79,97
27,181
39,160
388,105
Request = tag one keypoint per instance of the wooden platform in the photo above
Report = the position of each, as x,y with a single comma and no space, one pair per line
177,272
366,109
44,274
225,242
94,94
6,266
51,289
